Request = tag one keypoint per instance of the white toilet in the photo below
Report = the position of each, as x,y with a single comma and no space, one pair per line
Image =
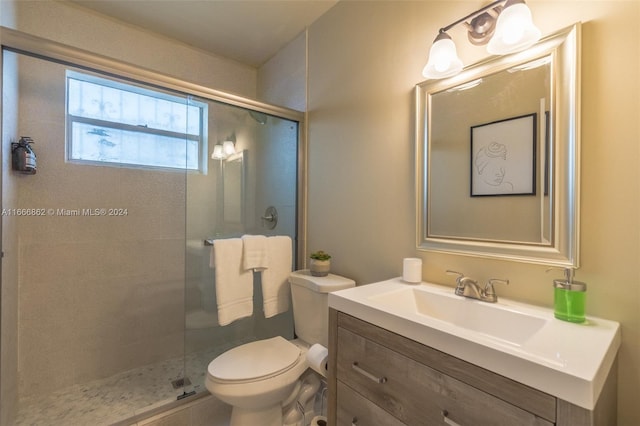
257,377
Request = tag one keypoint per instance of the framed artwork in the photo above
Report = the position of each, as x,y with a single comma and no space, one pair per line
547,146
503,157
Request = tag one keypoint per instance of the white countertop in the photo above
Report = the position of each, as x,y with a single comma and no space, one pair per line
566,360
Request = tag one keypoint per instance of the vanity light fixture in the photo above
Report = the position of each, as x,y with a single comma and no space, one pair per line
229,148
515,30
218,152
443,58
506,25
223,150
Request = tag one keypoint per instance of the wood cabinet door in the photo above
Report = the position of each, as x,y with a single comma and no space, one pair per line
416,394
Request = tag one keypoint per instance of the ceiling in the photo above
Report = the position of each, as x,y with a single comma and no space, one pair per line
248,31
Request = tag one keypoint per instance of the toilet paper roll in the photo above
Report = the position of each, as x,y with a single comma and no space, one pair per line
317,357
412,270
319,421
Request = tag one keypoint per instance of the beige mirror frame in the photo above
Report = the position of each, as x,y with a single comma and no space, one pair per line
562,249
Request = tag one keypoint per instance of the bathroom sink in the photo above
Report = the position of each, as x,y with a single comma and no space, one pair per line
523,342
494,320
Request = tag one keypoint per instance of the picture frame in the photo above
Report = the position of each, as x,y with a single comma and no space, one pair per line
503,157
547,146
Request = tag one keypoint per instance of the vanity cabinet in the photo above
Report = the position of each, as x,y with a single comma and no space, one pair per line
377,377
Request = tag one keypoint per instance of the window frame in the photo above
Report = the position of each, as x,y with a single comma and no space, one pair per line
142,89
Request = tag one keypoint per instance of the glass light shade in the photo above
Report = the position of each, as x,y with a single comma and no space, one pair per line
217,153
229,148
515,30
443,59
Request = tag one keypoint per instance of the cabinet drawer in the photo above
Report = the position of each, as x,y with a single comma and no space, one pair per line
354,410
534,401
416,394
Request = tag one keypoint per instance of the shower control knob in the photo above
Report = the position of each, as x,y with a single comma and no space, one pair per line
270,218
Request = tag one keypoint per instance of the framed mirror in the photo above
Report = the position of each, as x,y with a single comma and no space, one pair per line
497,156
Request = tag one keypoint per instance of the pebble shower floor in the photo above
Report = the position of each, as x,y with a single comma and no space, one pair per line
116,398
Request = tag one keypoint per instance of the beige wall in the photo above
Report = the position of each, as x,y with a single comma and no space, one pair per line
364,60
282,79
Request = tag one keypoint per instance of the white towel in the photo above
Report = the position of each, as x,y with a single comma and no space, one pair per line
275,279
255,252
234,285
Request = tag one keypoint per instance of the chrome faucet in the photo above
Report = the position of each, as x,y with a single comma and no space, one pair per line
468,287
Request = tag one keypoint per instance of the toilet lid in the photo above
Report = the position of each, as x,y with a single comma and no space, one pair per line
255,360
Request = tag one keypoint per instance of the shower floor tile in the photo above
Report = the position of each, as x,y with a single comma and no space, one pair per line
116,398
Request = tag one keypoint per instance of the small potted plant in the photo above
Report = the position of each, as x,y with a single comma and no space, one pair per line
320,265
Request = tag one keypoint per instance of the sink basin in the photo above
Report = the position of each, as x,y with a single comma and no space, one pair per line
517,340
496,321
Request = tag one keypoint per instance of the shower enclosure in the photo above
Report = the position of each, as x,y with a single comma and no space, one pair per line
109,306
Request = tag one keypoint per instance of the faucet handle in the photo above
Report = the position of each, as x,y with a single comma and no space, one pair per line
489,290
460,282
459,274
459,279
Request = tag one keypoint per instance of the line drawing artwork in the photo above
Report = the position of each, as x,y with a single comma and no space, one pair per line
503,157
491,165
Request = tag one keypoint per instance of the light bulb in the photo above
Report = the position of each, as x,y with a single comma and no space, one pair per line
443,58
217,153
515,30
229,148
512,33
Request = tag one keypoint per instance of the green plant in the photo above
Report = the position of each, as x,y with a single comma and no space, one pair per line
320,255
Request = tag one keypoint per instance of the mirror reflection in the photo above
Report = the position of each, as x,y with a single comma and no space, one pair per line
488,153
497,156
233,188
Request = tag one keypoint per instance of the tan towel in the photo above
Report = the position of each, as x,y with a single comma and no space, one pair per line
275,280
255,254
234,285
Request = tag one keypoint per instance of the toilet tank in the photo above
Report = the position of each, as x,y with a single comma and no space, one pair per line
310,305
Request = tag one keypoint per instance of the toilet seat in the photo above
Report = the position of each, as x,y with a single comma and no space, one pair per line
254,361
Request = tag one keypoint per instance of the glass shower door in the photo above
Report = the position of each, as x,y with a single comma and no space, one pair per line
250,187
99,275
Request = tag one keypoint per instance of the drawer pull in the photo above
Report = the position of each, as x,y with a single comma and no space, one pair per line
354,421
447,420
367,374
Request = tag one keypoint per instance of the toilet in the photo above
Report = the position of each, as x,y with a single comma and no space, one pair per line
257,377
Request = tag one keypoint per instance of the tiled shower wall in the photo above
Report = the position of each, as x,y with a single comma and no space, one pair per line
97,294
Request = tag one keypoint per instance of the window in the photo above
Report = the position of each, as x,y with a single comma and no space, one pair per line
110,122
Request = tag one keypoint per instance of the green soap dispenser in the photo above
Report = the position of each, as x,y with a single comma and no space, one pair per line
569,298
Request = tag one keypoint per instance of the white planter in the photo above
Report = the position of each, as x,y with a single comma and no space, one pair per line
319,268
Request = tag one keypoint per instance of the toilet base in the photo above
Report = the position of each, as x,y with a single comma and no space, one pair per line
269,416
